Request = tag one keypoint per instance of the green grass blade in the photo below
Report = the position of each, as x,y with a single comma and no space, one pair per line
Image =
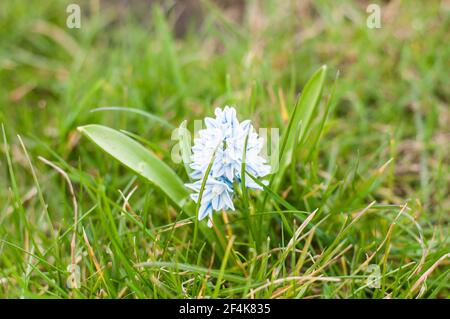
299,122
192,268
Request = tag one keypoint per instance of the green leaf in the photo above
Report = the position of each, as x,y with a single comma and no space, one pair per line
299,122
139,159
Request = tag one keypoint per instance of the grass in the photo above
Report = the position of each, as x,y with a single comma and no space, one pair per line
365,193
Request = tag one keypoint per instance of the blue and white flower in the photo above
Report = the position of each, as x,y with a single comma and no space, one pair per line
216,196
223,142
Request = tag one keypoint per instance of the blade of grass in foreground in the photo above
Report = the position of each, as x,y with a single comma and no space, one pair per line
192,268
277,198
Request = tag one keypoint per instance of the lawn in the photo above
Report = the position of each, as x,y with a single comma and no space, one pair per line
359,207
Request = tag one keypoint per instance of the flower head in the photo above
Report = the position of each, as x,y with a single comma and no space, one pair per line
222,143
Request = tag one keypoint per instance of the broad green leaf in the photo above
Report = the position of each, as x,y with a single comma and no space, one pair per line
139,159
316,133
299,122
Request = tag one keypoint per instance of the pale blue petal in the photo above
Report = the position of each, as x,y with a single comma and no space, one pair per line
204,210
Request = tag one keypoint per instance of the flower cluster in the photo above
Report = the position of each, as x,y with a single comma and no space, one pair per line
222,144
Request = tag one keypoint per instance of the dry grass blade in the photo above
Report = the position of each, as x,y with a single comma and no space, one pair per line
427,273
75,212
299,280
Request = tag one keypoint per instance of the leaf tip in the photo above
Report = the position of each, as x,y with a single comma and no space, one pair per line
81,129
